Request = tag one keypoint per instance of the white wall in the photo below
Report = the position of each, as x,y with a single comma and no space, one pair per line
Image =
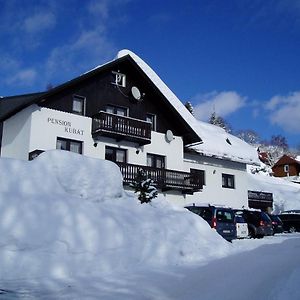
213,192
37,128
48,124
16,134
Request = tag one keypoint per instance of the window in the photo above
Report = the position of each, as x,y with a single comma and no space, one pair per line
228,181
286,168
197,176
69,145
115,154
119,79
78,105
117,110
155,161
152,119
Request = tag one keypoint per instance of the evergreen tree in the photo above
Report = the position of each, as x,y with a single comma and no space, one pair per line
189,107
219,121
144,186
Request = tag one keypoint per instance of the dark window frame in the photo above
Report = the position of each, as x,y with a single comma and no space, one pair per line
198,171
155,158
115,109
83,103
153,120
228,181
68,144
115,150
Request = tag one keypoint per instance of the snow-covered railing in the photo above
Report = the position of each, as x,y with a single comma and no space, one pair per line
165,179
121,127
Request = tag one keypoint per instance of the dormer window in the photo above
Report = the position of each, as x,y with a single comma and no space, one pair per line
120,79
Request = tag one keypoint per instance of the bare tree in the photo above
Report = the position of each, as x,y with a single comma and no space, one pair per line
249,136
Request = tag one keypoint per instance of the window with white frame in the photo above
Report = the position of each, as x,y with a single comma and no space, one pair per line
119,79
78,105
286,168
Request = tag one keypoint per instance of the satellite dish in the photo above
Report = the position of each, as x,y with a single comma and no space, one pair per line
136,93
169,136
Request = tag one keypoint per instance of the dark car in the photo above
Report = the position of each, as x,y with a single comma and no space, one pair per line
259,223
220,218
276,223
290,220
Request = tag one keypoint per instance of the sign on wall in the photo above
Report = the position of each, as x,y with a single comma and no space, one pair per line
68,128
260,200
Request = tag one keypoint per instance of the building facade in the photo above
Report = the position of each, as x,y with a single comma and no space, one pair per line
121,112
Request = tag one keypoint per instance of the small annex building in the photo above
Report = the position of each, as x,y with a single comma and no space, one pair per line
288,167
122,111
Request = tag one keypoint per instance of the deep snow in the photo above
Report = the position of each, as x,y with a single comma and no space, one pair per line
69,231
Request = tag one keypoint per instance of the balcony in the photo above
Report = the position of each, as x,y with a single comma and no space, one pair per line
165,179
121,128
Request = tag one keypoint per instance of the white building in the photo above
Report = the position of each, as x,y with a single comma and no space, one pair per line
122,111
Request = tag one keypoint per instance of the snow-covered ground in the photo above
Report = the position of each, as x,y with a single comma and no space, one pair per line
69,231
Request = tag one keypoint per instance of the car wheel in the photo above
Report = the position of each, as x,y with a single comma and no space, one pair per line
251,234
292,229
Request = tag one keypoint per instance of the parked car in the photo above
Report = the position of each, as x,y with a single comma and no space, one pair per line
290,220
276,223
219,218
241,226
259,223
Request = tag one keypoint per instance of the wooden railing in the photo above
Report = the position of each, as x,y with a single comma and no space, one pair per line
164,179
120,127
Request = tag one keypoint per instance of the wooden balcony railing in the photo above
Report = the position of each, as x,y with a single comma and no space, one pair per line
120,128
165,179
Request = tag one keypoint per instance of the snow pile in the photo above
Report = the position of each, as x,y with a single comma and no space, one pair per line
229,146
286,195
64,215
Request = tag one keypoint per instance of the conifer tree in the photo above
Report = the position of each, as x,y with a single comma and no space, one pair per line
144,186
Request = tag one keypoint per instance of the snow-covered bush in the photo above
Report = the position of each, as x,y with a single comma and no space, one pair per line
144,186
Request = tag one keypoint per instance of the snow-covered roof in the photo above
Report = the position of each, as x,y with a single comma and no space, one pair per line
215,140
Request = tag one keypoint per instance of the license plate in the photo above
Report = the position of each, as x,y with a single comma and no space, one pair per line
226,231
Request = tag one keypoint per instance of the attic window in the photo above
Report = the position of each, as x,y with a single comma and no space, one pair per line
228,141
119,79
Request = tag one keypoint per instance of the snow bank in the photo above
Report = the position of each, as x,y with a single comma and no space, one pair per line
235,149
286,195
65,215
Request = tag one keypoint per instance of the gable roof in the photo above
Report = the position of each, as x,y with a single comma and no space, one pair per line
215,141
210,140
286,160
10,104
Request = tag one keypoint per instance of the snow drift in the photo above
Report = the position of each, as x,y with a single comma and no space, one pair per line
64,215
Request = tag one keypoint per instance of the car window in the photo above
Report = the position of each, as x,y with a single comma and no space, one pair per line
225,216
206,214
265,217
239,219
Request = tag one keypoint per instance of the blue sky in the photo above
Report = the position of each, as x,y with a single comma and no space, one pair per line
239,57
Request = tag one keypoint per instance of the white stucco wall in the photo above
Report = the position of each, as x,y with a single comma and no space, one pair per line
213,192
37,128
16,135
